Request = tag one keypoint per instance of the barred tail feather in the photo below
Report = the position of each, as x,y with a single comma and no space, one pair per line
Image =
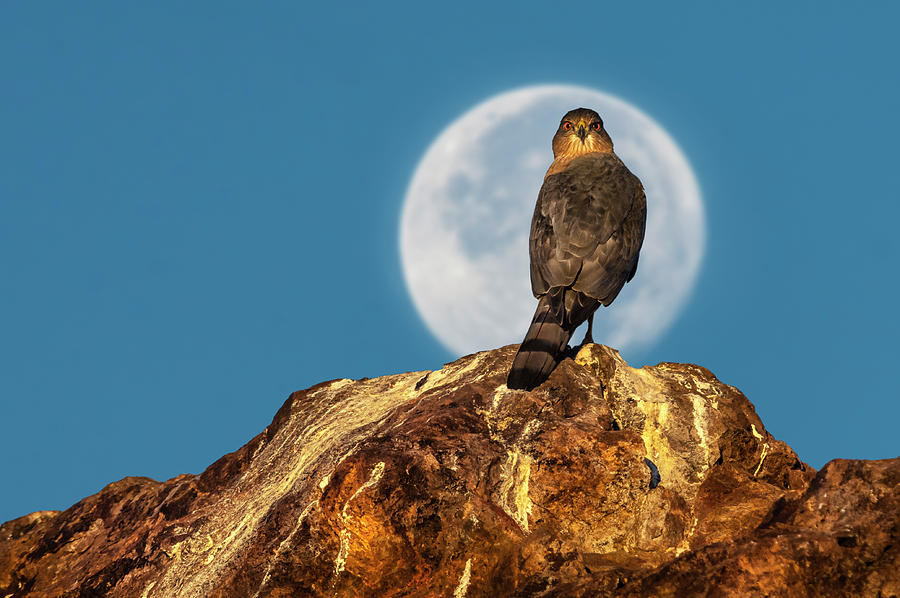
544,343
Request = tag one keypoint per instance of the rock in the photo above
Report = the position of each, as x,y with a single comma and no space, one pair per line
838,539
446,483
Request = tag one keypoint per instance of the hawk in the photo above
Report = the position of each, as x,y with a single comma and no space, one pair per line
586,233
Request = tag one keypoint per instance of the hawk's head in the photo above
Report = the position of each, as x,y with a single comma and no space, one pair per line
580,132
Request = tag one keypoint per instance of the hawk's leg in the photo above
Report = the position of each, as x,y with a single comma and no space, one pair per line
587,335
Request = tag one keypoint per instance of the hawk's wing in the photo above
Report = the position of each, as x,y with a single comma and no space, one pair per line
588,227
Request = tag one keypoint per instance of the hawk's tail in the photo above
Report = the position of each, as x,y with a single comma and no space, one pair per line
544,343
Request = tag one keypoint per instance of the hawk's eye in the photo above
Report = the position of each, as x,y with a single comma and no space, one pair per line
567,126
596,126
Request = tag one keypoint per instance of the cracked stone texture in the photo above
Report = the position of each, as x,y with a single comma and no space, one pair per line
446,483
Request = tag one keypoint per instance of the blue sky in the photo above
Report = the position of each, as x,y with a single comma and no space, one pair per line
199,208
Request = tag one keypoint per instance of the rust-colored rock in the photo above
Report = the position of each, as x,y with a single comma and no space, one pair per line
446,483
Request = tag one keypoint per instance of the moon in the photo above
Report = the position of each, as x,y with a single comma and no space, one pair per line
467,215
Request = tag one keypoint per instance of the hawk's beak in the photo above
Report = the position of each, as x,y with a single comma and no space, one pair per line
581,132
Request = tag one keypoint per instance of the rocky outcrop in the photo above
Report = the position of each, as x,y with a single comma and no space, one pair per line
446,483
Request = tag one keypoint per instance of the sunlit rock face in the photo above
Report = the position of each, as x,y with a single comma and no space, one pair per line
446,483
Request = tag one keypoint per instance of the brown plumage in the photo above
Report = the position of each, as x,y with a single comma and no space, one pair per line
586,234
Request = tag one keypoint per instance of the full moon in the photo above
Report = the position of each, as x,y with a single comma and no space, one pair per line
467,214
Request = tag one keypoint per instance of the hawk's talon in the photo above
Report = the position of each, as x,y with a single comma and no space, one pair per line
588,338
